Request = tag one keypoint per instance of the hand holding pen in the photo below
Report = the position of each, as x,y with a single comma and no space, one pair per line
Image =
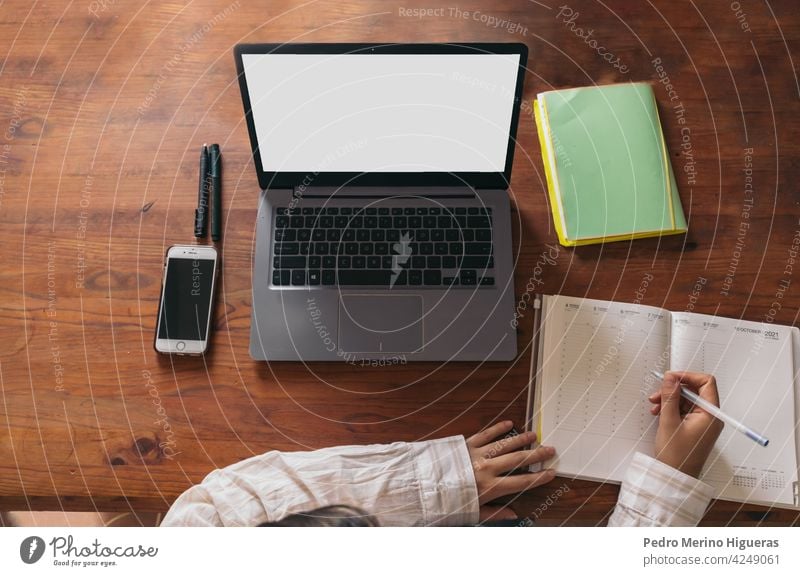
686,433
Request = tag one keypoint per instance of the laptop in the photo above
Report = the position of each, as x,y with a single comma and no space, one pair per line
383,233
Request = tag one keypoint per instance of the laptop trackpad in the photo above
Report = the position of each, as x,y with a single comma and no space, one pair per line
379,323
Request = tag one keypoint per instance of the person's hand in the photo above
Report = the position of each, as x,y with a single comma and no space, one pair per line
686,433
492,459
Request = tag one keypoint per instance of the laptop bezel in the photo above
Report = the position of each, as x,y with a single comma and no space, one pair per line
499,180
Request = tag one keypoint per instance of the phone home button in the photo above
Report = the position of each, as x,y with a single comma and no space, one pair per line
180,345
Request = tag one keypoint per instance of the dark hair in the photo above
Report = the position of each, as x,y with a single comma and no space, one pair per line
337,516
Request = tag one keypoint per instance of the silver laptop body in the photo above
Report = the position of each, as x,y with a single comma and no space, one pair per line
374,266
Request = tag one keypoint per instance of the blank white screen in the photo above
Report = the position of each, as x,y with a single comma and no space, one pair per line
382,112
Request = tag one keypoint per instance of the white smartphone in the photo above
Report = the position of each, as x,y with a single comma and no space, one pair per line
187,299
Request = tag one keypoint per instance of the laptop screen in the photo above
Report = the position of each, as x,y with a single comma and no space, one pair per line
395,113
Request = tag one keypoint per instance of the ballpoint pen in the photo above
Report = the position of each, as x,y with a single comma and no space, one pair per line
216,192
716,412
201,213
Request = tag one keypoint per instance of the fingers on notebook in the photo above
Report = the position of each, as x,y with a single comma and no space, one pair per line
509,462
484,437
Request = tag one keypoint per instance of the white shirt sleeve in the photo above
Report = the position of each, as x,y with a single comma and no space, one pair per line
401,484
655,494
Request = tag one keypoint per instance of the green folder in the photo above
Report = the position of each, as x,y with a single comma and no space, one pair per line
607,165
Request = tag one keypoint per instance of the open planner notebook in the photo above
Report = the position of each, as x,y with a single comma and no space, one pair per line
590,379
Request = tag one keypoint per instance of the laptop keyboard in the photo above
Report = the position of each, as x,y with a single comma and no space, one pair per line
397,246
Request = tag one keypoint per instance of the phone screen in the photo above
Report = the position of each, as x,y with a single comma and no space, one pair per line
187,298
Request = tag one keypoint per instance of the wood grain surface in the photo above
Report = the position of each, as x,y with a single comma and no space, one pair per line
103,107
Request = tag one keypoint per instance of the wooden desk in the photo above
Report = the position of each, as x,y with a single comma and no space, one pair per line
103,106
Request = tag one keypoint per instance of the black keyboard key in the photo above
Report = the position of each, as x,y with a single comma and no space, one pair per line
289,262
314,261
351,249
429,221
349,235
326,221
281,277
377,235
440,248
371,222
478,248
293,211
414,222
461,221
460,210
423,235
371,211
332,210
418,262
383,211
365,249
487,281
468,235
285,235
434,262
472,210
303,235
449,262
393,235
480,262
415,277
305,249
280,211
357,222
381,249
336,248
444,222
422,211
483,235
479,222
426,248
364,277
345,210
314,278
374,262
340,221
318,235
333,235
432,278
450,280
308,210
321,248
343,262
437,235
329,261
452,235
311,221
359,262
281,221
408,211
385,222
362,235
397,211
456,248
400,222
296,221
286,248
435,211
298,277
468,278
328,277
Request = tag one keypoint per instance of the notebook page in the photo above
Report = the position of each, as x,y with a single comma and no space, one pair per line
754,367
595,374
